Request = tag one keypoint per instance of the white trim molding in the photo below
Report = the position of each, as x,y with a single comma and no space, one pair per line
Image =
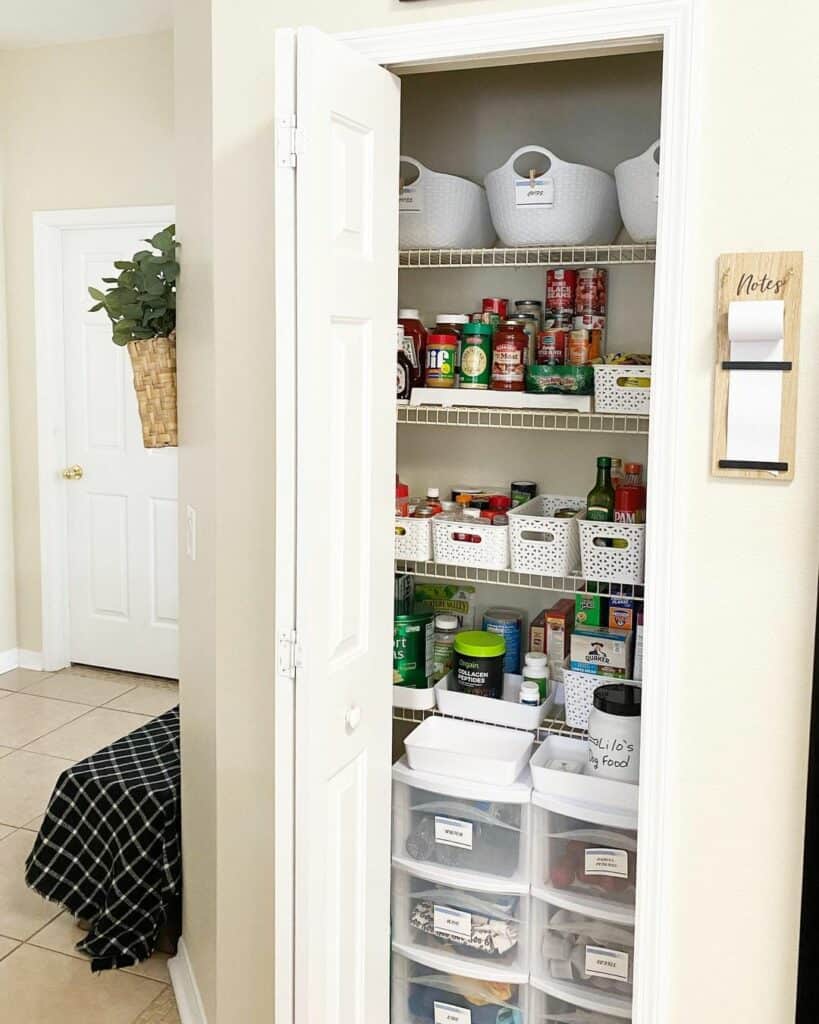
49,341
9,660
185,989
572,29
18,658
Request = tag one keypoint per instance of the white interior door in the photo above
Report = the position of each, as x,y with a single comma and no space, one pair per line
122,512
346,241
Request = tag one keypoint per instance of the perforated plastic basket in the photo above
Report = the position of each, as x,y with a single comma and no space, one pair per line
413,538
471,542
442,211
610,564
617,388
637,180
540,543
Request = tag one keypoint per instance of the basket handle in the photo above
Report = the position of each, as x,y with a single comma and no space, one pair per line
554,162
413,163
624,542
652,154
538,536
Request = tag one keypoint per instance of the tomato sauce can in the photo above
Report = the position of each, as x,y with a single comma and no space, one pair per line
591,291
551,347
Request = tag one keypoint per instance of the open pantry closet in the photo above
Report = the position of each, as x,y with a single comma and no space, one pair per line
470,887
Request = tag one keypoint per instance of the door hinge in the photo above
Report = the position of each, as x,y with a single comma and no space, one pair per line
289,139
289,654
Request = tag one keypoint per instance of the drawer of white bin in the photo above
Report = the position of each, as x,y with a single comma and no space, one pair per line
564,1002
413,538
584,854
542,544
467,919
460,826
471,542
554,768
426,990
594,950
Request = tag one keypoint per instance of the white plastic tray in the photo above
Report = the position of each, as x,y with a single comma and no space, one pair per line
410,699
588,789
506,712
466,398
466,750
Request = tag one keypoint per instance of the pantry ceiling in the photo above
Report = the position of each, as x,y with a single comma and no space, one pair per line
45,22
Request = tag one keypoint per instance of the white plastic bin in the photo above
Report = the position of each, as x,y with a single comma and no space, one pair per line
463,826
593,950
622,388
441,211
508,712
609,564
475,543
542,544
579,690
477,922
468,750
426,991
413,538
638,182
558,768
584,855
563,1002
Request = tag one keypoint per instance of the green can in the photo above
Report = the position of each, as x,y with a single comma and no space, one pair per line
476,356
412,662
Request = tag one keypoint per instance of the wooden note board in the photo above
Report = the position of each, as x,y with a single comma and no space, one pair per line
752,277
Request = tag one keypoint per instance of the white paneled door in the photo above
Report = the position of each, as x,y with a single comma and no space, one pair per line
347,112
122,510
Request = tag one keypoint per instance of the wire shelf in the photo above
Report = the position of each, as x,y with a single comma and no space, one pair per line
510,578
549,726
531,256
522,419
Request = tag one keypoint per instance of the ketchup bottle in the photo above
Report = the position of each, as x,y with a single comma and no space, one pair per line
410,319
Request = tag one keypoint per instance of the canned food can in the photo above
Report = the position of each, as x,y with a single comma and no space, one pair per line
522,491
597,342
551,347
412,650
579,349
508,623
590,293
565,513
561,284
476,357
588,321
494,305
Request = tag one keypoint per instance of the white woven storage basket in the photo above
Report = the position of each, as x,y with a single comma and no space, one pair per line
615,390
584,207
413,538
579,688
610,564
637,183
540,543
442,211
451,547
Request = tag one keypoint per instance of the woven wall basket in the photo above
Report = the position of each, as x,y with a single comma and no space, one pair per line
154,365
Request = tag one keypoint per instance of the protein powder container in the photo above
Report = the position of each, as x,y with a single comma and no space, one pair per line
478,663
508,622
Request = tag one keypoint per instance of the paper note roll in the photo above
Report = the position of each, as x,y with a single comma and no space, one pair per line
756,321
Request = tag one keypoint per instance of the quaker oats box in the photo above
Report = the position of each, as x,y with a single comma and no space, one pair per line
602,652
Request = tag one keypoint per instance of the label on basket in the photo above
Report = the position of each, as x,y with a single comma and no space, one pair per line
606,963
611,863
446,1013
410,199
451,832
534,191
449,922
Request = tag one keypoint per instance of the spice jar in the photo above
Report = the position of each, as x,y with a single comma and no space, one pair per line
510,345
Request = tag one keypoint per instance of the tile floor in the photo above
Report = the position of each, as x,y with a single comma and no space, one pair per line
48,720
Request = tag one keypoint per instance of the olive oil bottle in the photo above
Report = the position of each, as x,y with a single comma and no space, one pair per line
600,502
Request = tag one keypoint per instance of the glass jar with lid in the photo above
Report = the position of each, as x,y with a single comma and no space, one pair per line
510,347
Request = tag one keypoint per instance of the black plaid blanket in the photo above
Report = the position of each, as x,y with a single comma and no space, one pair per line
109,848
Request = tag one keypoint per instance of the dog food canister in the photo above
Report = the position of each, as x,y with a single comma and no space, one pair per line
614,733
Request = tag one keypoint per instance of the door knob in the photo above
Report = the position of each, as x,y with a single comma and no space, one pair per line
73,473
353,718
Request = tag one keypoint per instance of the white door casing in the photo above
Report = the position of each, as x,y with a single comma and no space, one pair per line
346,238
121,516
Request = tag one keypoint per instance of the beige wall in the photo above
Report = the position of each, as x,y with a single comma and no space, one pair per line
8,604
86,125
741,703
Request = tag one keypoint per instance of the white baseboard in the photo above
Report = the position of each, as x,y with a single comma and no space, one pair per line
188,1000
16,658
30,659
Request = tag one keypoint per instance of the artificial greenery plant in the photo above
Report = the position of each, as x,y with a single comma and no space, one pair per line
142,303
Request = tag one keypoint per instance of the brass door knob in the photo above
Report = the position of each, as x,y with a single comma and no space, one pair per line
73,473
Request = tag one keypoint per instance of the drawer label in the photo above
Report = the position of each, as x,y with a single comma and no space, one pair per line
452,832
606,963
446,1013
613,863
449,922
535,191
